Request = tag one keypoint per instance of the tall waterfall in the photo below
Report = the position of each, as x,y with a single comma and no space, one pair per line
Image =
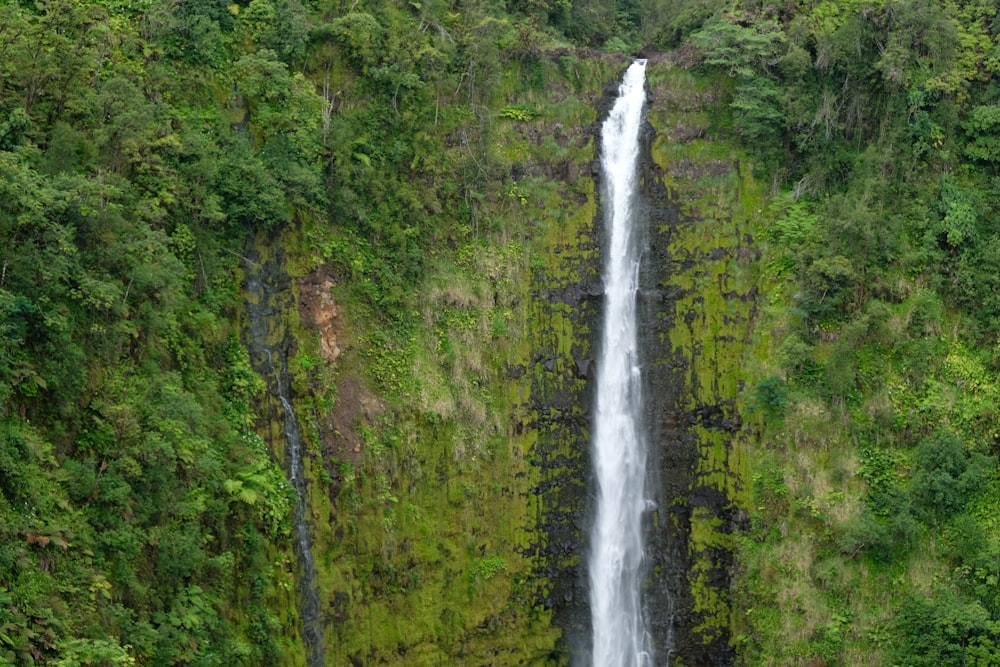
620,635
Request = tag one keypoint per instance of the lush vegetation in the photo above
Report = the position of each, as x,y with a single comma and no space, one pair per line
873,540
431,154
143,145
142,518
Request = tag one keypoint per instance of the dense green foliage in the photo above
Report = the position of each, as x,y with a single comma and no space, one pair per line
138,506
422,151
877,385
142,145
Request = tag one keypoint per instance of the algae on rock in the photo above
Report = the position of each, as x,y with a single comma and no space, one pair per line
446,461
703,201
448,458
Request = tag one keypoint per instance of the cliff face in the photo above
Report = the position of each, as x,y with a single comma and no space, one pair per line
448,466
449,469
406,192
701,312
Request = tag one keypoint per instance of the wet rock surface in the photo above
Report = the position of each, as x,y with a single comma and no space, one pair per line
270,343
676,406
561,397
674,449
701,250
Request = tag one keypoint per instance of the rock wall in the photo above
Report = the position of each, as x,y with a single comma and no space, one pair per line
701,309
449,468
698,302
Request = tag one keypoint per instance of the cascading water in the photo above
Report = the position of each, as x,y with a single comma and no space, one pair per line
620,635
271,361
308,594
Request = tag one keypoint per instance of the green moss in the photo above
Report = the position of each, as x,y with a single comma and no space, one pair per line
712,266
438,498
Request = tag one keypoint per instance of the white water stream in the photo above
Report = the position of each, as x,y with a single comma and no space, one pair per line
620,635
270,360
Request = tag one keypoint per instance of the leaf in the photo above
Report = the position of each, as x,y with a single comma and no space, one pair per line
248,495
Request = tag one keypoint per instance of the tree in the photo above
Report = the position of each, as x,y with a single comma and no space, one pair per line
946,630
747,49
945,474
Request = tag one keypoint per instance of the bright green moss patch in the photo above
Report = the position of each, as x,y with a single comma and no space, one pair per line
712,255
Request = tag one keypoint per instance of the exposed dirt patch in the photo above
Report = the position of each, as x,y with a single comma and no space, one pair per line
339,429
340,440
355,403
319,311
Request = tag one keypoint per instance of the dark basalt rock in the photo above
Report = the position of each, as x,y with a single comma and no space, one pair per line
674,453
561,407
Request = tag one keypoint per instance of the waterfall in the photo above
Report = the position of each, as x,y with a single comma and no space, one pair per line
264,310
620,635
308,592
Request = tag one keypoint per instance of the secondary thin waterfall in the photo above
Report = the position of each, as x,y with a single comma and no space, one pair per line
620,637
270,360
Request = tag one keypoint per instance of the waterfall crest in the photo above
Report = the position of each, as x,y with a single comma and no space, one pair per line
620,635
